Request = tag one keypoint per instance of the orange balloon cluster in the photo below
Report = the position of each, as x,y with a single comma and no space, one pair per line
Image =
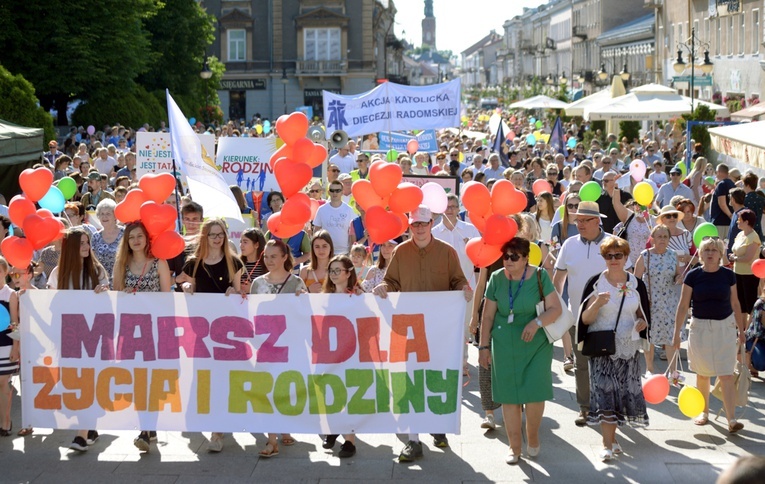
488,211
293,165
39,226
146,203
386,201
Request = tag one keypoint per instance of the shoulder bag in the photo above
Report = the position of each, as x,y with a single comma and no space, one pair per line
622,232
560,326
742,380
602,343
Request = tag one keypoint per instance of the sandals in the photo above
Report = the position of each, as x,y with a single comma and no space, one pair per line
288,440
6,432
271,450
25,431
734,426
702,419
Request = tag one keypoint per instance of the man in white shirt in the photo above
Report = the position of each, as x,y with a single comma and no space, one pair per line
672,189
494,170
344,160
336,217
105,163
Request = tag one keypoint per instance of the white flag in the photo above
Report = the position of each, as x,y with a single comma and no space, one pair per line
206,183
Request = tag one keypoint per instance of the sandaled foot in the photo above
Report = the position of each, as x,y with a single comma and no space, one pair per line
25,431
616,448
271,450
702,419
734,426
288,440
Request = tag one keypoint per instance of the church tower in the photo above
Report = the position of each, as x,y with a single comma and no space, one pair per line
429,26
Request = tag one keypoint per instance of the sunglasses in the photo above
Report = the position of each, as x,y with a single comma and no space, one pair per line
669,215
335,190
707,237
335,171
674,174
513,257
314,191
419,224
617,256
572,206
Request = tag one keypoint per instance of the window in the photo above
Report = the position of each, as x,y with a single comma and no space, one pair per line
671,44
741,32
236,45
755,31
718,36
322,44
731,28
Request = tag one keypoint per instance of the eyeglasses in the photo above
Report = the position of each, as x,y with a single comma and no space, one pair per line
513,257
335,171
337,272
572,206
335,190
674,174
669,215
454,155
585,220
616,255
360,160
707,237
219,235
314,191
418,225
552,173
606,162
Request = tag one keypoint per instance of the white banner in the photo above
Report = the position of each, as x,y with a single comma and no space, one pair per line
272,363
154,154
244,162
393,107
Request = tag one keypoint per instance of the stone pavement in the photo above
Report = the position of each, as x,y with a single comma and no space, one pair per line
671,449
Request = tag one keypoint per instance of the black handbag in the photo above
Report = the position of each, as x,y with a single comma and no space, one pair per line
622,232
602,343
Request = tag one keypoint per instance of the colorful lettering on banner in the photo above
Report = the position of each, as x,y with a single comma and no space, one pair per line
244,162
426,140
328,364
154,153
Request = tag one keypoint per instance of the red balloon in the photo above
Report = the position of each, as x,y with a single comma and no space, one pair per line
284,152
318,155
296,210
656,388
382,225
281,230
758,268
129,209
292,127
302,150
40,231
404,223
17,251
412,146
479,221
405,198
365,195
35,183
506,199
157,187
61,229
292,176
541,186
45,213
480,253
19,208
314,207
499,229
167,245
157,218
476,199
385,177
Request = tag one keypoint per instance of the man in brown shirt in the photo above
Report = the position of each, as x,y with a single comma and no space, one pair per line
423,264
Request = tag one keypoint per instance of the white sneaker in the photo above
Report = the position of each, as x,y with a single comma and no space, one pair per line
606,455
216,442
488,422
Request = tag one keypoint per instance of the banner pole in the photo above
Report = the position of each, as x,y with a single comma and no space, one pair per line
177,199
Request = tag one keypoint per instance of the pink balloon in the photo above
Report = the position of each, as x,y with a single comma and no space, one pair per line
434,197
637,170
412,146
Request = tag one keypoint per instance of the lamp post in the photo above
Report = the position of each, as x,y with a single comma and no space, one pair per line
706,67
603,73
285,81
206,74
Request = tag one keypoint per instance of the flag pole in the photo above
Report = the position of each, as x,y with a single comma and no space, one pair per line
177,198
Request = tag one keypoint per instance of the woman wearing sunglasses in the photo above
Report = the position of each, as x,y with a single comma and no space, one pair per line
615,300
717,326
680,240
514,343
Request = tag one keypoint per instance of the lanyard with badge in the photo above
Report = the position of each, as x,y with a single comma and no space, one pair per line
514,296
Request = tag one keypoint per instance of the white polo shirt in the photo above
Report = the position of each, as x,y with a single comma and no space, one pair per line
458,238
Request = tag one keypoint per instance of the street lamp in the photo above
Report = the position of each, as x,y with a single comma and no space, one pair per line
624,74
206,74
285,81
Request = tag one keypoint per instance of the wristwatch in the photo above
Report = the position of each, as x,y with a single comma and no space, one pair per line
539,322
484,348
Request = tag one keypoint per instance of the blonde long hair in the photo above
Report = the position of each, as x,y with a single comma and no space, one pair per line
202,245
125,254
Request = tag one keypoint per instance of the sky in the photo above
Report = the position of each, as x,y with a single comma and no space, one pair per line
459,23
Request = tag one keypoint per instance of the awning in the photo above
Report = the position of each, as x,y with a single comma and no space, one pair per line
577,108
19,144
745,142
539,102
752,113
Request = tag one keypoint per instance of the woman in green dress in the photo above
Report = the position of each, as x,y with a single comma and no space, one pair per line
514,343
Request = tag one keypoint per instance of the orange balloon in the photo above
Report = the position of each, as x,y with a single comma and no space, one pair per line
157,218
167,245
19,208
293,127
656,388
302,150
314,207
499,229
405,198
40,231
541,186
284,152
17,251
157,187
506,199
35,183
382,225
44,213
318,155
385,177
404,223
281,230
480,253
292,176
129,209
476,199
365,195
758,268
296,210
479,221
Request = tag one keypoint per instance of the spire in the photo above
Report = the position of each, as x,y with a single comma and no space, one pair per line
429,8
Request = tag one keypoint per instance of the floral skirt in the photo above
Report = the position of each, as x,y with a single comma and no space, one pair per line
616,395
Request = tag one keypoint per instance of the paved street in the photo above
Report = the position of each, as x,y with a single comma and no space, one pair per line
672,449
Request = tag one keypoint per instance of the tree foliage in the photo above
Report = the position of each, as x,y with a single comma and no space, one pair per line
19,105
700,133
131,108
629,130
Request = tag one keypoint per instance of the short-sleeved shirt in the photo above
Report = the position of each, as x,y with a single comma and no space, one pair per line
711,292
740,246
581,260
667,192
756,204
721,190
211,278
337,221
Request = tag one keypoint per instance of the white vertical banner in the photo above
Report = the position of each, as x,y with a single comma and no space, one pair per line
244,162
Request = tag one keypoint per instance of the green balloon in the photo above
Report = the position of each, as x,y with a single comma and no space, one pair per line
704,230
391,155
68,187
710,180
681,166
590,192
538,124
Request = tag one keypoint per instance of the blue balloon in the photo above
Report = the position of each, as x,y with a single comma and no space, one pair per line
532,120
53,200
192,121
266,123
758,355
5,318
571,142
531,140
266,128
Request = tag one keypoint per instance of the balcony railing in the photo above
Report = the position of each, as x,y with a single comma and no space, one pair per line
580,32
322,67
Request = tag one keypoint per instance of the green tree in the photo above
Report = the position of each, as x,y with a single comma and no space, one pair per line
19,105
700,133
629,129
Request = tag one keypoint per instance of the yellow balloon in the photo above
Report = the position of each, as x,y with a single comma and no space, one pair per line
643,193
537,134
462,157
258,129
535,254
691,401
